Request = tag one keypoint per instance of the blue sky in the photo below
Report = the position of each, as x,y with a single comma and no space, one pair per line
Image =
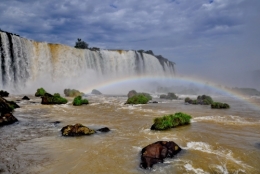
217,40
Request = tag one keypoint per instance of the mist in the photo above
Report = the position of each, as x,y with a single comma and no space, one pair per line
215,41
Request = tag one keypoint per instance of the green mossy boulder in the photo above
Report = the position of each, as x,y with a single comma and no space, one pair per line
79,101
171,121
7,106
72,93
49,99
76,130
218,105
138,99
4,93
170,96
40,92
202,100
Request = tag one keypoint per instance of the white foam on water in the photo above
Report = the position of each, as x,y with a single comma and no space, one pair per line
224,153
190,168
229,120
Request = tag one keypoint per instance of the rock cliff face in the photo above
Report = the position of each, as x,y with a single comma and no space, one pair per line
23,62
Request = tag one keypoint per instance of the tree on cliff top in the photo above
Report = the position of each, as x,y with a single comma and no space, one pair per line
81,44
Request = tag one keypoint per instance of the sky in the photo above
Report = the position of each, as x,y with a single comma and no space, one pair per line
216,40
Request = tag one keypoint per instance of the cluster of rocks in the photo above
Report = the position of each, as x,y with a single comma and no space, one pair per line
150,155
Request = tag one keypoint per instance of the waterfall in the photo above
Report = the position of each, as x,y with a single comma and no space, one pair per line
26,62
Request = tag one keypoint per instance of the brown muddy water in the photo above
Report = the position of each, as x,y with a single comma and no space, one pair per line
216,141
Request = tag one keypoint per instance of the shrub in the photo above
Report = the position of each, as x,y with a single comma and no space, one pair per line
218,105
40,92
4,93
171,121
79,101
138,99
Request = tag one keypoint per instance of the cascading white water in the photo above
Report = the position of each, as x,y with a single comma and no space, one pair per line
25,63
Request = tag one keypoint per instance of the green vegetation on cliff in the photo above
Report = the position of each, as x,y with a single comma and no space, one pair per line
171,121
79,101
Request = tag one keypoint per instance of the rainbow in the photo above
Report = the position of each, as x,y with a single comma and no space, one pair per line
146,78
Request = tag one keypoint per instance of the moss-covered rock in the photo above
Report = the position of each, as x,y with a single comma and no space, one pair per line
72,93
40,92
218,105
4,93
79,101
7,106
49,99
171,121
202,100
138,99
170,96
76,130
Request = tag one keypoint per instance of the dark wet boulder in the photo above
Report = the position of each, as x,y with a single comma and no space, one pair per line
202,100
25,98
157,152
96,92
7,118
76,130
49,99
4,93
131,93
104,129
7,106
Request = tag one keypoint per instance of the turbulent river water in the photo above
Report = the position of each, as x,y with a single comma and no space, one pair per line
216,141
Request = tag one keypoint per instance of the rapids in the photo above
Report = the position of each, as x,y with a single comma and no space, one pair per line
216,141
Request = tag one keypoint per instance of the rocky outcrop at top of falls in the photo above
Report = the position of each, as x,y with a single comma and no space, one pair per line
24,62
157,152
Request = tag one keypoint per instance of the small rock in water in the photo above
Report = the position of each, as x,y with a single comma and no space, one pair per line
157,152
7,118
76,130
104,129
25,98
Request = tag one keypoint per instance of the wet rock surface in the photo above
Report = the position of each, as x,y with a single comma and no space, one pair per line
157,152
76,130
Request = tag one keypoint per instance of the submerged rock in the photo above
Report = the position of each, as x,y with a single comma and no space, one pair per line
104,129
157,152
25,98
7,118
76,130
